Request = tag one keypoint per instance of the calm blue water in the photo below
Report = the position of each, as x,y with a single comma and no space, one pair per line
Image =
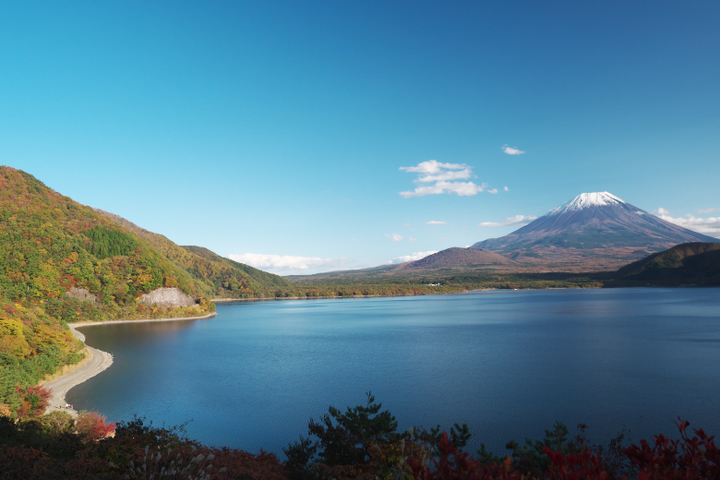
506,363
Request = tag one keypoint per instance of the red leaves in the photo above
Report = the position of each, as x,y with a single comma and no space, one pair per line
584,465
453,465
22,463
683,459
35,400
11,309
91,427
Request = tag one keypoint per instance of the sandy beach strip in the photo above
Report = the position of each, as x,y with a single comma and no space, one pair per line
95,362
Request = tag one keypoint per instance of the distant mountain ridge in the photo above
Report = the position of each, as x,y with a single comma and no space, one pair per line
597,229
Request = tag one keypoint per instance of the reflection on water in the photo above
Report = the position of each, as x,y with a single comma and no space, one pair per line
507,363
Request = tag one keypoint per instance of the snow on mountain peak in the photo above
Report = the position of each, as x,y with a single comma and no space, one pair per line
587,200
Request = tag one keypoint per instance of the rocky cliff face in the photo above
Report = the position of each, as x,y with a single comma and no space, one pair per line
167,297
81,294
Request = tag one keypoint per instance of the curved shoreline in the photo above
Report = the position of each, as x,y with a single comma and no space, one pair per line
96,362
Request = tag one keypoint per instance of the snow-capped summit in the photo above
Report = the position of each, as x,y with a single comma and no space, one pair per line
586,200
599,228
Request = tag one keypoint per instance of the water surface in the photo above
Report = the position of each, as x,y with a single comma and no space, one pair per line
507,363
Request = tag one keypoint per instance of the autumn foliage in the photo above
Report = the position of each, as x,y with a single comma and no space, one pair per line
47,447
682,459
34,401
91,427
62,262
686,458
453,464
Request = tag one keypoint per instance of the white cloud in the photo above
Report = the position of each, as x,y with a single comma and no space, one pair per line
707,210
493,191
444,177
394,237
510,221
708,226
352,239
460,188
412,257
436,222
511,150
433,167
437,178
506,189
289,264
412,239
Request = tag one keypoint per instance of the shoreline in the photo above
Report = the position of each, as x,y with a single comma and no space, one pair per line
334,297
95,362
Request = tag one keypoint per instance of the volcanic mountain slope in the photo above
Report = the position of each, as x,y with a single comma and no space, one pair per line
461,256
592,231
688,263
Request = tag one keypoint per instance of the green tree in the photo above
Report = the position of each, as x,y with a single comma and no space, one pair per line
342,438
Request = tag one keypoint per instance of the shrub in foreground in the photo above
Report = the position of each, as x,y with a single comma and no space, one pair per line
360,443
687,458
91,427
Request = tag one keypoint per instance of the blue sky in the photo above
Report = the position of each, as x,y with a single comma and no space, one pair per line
293,135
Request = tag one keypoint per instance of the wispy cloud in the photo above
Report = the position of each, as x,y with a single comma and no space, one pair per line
506,189
412,257
708,210
493,191
510,221
393,237
437,178
436,222
708,226
511,150
412,239
289,264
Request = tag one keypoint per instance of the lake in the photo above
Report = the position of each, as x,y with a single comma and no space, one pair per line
507,363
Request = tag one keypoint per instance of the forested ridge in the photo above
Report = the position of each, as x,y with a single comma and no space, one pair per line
51,248
217,276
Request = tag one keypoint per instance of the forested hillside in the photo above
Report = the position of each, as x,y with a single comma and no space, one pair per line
217,276
695,263
61,262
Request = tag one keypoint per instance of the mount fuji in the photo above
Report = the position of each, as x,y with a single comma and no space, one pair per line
593,229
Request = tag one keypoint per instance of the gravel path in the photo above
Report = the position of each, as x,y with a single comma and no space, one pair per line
96,362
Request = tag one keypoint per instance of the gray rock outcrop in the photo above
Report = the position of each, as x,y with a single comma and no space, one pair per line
81,294
167,297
